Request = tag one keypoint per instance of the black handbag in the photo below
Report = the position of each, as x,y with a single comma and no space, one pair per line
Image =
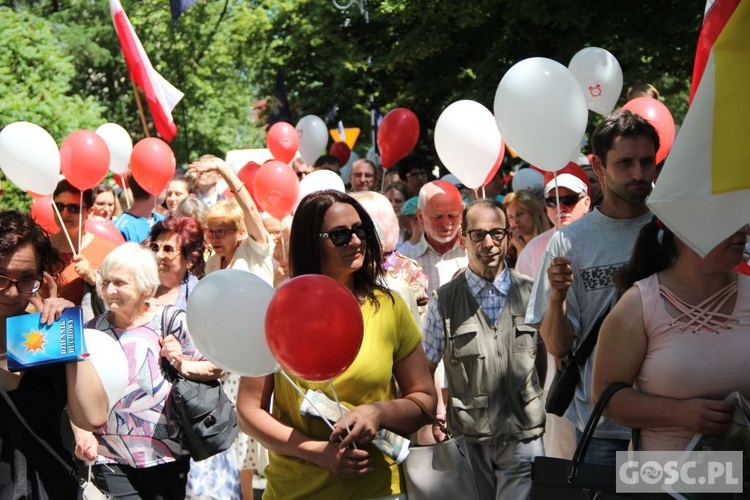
563,479
209,421
568,373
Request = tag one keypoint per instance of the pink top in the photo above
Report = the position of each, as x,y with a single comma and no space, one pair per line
710,363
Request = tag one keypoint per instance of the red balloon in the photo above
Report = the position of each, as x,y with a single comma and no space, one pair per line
497,164
43,213
276,187
659,116
283,141
84,159
105,229
153,164
397,135
247,176
341,151
314,327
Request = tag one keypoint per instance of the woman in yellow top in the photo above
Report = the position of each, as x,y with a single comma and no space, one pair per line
333,235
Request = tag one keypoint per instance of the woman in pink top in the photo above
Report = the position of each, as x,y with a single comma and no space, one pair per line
681,336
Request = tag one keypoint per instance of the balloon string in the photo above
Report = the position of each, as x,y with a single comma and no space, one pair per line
283,247
80,221
64,229
484,194
304,396
557,204
125,191
338,404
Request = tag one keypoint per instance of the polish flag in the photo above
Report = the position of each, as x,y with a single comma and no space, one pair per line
161,95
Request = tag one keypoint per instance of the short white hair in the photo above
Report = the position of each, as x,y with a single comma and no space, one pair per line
140,262
381,211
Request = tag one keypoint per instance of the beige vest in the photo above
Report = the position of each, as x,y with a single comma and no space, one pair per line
494,386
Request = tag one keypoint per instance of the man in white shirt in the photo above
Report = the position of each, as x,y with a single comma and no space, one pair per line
439,252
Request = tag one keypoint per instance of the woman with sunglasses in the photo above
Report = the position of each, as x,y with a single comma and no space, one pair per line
78,277
333,235
27,259
234,228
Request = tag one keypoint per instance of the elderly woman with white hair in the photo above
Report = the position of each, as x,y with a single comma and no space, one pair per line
140,452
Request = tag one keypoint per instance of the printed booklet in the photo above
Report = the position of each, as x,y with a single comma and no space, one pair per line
32,344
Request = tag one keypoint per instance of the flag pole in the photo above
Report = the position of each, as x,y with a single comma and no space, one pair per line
140,108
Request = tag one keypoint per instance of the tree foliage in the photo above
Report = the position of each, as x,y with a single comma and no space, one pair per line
62,66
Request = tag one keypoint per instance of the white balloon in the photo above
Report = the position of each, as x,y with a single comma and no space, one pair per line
600,77
313,138
226,316
30,158
527,179
468,142
541,112
318,181
110,362
120,146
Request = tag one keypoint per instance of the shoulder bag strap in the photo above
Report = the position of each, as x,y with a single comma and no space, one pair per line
36,436
435,421
166,329
587,347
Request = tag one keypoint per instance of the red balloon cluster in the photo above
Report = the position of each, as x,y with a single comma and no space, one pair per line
314,327
283,141
276,188
341,151
84,159
659,116
397,135
153,164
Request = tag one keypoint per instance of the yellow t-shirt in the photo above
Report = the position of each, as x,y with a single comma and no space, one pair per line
390,334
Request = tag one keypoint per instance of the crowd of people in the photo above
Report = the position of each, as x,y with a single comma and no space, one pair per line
469,301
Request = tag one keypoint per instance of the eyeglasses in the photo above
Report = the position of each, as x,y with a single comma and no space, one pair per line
416,173
478,235
366,175
168,250
342,236
568,200
72,208
219,233
27,286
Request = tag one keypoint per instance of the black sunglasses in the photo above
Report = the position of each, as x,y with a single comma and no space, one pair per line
27,286
497,234
342,236
73,209
568,200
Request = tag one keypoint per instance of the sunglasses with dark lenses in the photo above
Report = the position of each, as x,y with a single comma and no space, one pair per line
342,236
168,250
27,286
568,200
73,209
497,235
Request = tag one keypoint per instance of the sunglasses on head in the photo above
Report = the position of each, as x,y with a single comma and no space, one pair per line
73,208
568,200
342,236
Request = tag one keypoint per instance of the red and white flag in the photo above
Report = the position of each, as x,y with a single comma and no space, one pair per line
161,95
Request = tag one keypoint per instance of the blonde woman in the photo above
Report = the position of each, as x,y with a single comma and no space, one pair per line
526,219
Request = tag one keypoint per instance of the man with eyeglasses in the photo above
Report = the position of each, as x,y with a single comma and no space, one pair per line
573,204
574,287
493,361
413,171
